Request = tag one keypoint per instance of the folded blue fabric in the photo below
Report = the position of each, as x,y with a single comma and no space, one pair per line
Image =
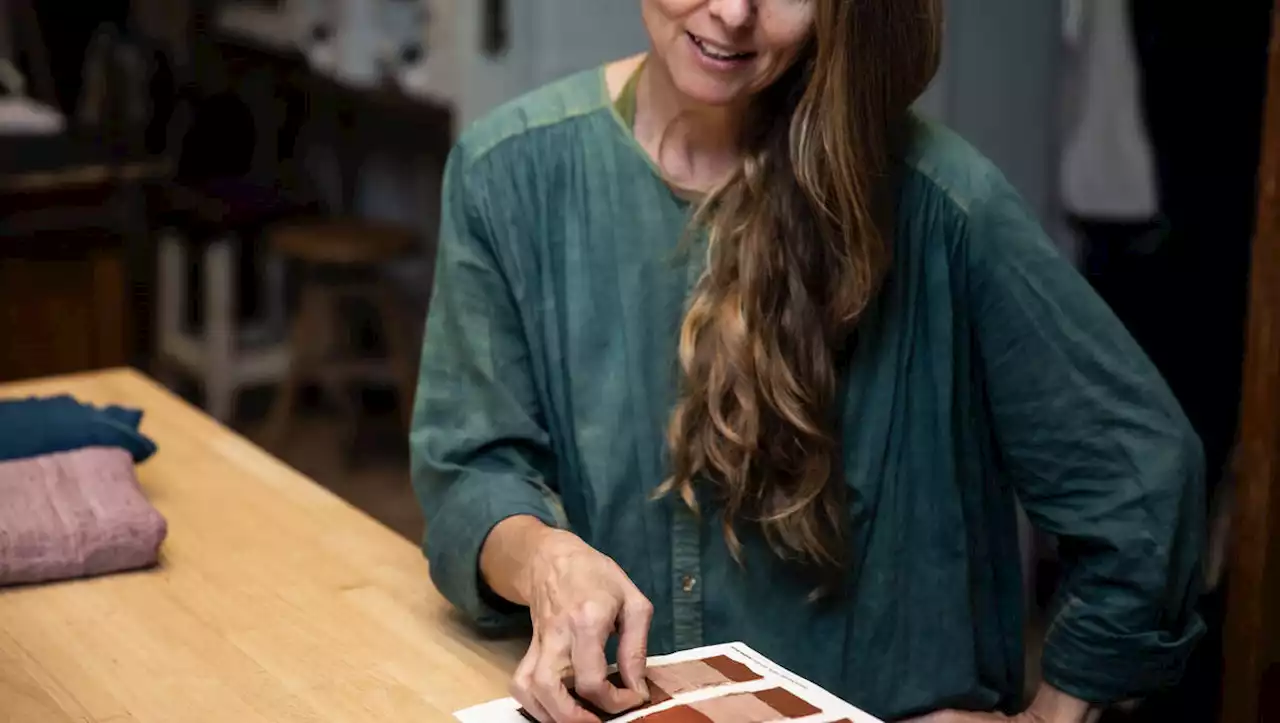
45,425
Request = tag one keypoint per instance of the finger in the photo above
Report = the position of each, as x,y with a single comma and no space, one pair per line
522,683
633,641
592,627
955,716
554,662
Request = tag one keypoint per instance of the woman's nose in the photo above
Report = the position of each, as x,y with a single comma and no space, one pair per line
735,14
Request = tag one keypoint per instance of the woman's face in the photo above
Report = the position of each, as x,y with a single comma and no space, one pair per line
722,51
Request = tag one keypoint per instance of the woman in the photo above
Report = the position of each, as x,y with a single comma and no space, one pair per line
861,349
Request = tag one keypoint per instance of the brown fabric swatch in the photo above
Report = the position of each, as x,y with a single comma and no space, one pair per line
737,708
787,703
677,678
678,714
657,694
74,514
733,670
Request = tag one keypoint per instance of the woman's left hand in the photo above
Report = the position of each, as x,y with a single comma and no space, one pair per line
1050,706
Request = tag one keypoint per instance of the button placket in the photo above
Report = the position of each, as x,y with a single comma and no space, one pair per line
686,564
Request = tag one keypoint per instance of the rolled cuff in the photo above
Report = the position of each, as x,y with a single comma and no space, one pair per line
1106,668
457,530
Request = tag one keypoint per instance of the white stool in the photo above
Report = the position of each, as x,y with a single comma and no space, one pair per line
224,356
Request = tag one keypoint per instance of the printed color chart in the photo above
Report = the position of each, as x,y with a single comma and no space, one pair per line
718,684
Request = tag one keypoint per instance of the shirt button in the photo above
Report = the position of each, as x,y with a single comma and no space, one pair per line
687,583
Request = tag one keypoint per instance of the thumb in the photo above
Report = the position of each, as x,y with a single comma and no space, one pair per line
633,642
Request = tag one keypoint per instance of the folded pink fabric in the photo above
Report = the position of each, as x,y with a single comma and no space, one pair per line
74,514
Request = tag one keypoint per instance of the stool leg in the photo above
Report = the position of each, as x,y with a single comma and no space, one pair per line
306,342
275,292
399,354
171,301
219,332
330,372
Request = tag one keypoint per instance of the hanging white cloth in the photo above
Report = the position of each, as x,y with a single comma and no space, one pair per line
1108,165
20,114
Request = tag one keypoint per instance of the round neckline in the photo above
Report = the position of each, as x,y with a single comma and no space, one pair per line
628,132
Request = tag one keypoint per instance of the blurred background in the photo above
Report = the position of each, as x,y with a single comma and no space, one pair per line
239,197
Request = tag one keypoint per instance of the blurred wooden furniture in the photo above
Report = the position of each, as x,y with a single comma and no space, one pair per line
341,260
65,162
275,601
72,225
292,108
1252,630
352,125
75,259
63,305
350,121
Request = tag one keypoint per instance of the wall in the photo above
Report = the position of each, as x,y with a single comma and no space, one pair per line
550,39
579,34
484,82
1000,88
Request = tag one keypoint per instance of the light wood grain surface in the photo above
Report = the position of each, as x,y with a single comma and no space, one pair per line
275,601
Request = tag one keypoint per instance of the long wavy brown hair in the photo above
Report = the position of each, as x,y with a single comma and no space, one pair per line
798,242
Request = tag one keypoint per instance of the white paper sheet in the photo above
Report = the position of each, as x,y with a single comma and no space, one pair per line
772,675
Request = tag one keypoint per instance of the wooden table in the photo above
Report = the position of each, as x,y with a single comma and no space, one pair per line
275,601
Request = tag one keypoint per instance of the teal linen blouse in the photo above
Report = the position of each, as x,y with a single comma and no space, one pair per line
986,372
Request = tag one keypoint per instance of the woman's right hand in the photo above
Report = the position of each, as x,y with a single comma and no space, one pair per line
577,598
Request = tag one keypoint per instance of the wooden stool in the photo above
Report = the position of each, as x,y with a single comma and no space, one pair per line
215,223
340,260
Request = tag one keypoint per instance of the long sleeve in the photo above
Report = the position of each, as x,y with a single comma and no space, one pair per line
1100,454
479,449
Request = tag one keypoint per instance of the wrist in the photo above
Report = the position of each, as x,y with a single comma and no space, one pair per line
1054,706
534,540
506,556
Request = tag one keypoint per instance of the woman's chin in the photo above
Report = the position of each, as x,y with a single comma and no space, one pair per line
703,91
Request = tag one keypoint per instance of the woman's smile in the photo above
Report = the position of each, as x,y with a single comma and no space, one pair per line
720,56
721,53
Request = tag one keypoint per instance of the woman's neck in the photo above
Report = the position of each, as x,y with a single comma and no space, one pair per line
694,144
